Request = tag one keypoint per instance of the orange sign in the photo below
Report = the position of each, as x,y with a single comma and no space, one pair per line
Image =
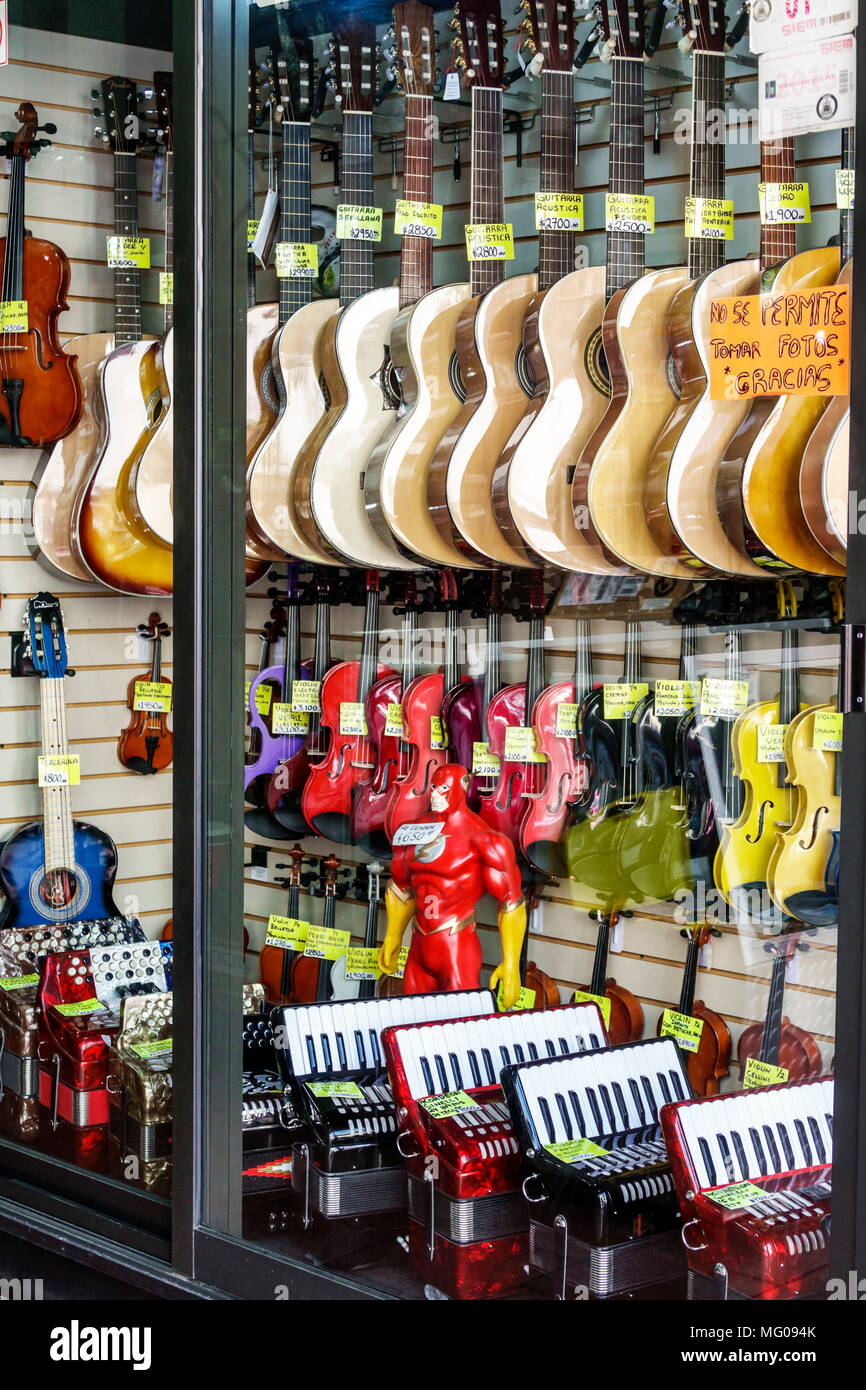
780,344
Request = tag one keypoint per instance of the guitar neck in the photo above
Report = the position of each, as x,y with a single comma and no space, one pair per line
846,217
416,252
556,248
488,195
56,806
127,279
251,213
778,239
356,257
169,233
295,211
625,250
707,175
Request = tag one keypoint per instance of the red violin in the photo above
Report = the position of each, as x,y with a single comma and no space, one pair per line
777,1040
146,744
466,700
710,1063
40,390
626,1013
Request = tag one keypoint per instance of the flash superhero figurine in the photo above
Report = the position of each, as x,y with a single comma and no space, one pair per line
437,884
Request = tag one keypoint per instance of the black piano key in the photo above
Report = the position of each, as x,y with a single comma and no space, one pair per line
548,1119
359,1044
740,1151
505,1059
650,1095
819,1142
595,1041
708,1161
578,1113
804,1142
456,1072
311,1054
533,1051
428,1076
374,1047
492,1074
620,1100
665,1088
759,1152
724,1147
829,1118
566,1118
564,1046
596,1113
605,1095
785,1141
443,1074
326,1051
772,1149
518,1053
474,1068
636,1097
550,1047
677,1084
341,1049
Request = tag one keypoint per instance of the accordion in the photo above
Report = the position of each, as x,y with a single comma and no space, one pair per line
603,1211
330,1056
20,951
467,1215
140,1089
753,1175
79,1000
267,1117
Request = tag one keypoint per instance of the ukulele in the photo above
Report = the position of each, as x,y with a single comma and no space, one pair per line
356,366
275,962
778,1041
116,545
284,787
341,987
626,1014
40,391
146,744
488,332
296,346
710,1063
55,869
422,334
351,754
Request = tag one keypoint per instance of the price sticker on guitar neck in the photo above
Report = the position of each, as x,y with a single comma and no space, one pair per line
126,252
394,720
14,316
570,1150
166,287
845,190
521,746
59,770
581,997
621,697
566,720
451,1103
287,720
357,223
782,203
438,735
362,963
326,943
489,241
264,695
737,1196
725,699
559,212
353,719
485,763
630,212
710,219
827,731
296,260
757,1073
673,699
286,933
307,697
153,696
418,219
771,743
685,1030
252,230
524,1000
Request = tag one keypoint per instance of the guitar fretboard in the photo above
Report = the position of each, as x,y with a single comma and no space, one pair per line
625,250
295,210
127,286
416,253
778,240
169,230
846,217
707,175
356,257
488,196
556,248
56,807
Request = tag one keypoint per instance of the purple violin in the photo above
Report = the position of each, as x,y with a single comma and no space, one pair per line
466,700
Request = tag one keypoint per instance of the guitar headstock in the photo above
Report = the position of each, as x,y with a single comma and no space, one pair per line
415,45
295,68
704,24
550,26
163,88
117,107
481,48
626,37
354,59
45,637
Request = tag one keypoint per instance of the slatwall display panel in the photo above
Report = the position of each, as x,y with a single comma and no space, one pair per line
69,200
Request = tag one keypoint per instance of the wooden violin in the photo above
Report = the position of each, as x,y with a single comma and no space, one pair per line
275,962
41,396
777,1040
341,987
146,744
711,1062
626,1013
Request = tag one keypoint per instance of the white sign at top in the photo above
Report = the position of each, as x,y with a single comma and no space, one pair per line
4,36
808,89
781,23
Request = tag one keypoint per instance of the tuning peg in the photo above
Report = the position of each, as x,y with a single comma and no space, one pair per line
95,94
687,42
534,66
606,50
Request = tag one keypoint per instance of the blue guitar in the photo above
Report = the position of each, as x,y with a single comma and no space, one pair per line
57,869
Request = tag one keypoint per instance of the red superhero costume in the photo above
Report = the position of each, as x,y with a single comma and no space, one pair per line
436,884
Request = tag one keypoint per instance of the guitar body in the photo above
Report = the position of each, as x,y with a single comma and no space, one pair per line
488,343
610,475
532,483
262,402
463,720
504,808
797,873
395,480
70,466
743,858
422,702
333,388
118,548
296,362
680,482
22,875
762,466
370,799
566,780
153,479
824,471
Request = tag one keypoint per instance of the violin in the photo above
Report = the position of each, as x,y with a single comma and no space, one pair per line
777,1040
711,1062
341,987
626,1013
41,396
283,795
272,633
351,754
464,703
146,744
275,962
695,753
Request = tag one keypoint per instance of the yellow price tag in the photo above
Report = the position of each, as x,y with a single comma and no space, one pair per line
771,743
783,203
264,695
524,1000
362,963
394,721
13,982
326,943
287,933
559,212
674,698
59,770
166,287
358,223
581,997
252,229
324,1090
711,219
521,746
401,963
827,731
306,697
489,241
154,696
763,1074
725,699
353,719
621,697
81,1006
570,1150
566,720
14,316
418,219
296,260
845,189
443,1107
127,251
153,1049
683,1028
286,720
437,732
629,212
736,1196
485,763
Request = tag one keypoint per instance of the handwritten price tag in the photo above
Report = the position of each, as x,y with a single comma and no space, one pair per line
559,212
287,933
570,1150
326,943
674,698
330,1090
725,699
784,202
264,695
827,731
418,219
127,251
362,963
81,1006
521,746
158,1048
417,833
13,982
711,219
566,720
296,260
620,698
14,316
394,721
629,212
353,719
737,1195
485,763
287,720
306,697
59,770
845,190
771,743
166,287
581,997
356,223
685,1030
153,696
252,230
437,732
524,1000
489,241
758,1073
443,1107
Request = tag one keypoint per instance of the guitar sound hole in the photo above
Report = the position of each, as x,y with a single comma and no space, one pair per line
58,888
595,363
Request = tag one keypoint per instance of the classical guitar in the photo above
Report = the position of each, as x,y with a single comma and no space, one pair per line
283,792
295,349
116,545
422,334
153,479
356,366
488,331
778,1042
72,461
146,744
709,1064
626,1014
56,869
41,397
